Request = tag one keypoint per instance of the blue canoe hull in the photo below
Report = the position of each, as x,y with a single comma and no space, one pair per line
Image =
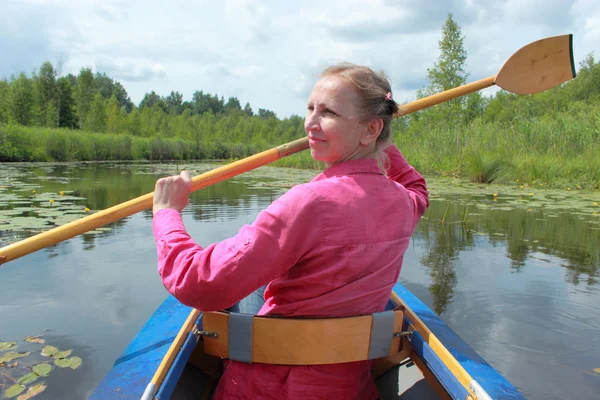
136,366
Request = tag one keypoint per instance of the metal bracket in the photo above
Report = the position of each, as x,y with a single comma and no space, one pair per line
409,332
198,332
406,333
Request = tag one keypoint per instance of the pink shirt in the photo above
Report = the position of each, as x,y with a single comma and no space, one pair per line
330,247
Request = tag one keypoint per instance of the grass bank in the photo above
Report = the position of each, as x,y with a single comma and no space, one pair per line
21,143
559,151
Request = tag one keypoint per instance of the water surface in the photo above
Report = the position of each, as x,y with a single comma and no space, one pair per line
513,271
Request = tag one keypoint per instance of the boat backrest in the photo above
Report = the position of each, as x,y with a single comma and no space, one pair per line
301,341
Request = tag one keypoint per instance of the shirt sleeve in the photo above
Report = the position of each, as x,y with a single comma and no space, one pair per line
220,275
402,172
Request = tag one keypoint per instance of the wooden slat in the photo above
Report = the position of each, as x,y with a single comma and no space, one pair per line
296,341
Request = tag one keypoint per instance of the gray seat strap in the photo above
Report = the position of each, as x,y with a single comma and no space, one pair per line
240,337
382,333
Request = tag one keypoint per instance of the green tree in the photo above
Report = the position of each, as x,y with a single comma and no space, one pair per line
587,85
84,94
113,115
233,105
104,85
72,79
96,119
248,110
266,114
4,100
122,97
217,106
448,72
67,117
48,94
174,103
134,122
200,102
151,99
21,100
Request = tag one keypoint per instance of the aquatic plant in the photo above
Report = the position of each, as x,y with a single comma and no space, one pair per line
20,371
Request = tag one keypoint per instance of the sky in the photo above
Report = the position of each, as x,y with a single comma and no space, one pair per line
269,53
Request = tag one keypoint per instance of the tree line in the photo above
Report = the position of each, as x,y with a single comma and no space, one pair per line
97,103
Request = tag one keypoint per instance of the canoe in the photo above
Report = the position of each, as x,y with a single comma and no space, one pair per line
434,362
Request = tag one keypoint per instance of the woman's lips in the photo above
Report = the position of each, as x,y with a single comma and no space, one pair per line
312,139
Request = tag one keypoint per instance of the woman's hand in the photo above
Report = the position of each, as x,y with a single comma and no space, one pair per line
172,192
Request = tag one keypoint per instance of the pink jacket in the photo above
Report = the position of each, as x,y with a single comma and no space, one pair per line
330,247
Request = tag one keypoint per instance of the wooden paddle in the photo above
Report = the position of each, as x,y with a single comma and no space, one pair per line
536,67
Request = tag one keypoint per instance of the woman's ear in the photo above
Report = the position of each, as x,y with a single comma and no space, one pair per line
374,128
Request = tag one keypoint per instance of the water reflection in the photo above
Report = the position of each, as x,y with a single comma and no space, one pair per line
450,227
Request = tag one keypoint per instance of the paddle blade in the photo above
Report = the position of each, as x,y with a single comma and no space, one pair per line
538,66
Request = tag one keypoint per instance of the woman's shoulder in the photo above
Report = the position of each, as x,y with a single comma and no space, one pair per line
306,191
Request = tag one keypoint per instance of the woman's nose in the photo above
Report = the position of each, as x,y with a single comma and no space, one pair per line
311,122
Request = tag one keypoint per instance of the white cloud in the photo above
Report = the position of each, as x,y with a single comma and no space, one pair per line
131,72
268,53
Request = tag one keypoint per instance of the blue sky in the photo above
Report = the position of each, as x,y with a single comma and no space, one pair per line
269,52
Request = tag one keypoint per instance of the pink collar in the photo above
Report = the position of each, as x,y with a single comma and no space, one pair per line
364,165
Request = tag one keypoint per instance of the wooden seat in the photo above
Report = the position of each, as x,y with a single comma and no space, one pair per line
306,341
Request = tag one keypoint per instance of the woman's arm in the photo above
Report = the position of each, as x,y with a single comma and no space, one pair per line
402,172
218,276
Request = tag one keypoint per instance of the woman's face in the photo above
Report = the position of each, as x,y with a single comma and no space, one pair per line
333,125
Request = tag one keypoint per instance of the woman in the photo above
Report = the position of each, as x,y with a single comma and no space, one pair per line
330,247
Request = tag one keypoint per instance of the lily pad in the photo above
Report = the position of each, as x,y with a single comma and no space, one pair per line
29,223
65,219
7,345
49,213
25,209
49,351
75,362
13,391
12,355
63,362
34,339
29,378
42,369
27,187
33,391
57,197
10,213
21,203
63,354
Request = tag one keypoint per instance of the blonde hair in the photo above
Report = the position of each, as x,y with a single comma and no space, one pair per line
374,91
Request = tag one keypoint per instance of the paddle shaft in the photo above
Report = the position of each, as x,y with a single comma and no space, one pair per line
438,98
